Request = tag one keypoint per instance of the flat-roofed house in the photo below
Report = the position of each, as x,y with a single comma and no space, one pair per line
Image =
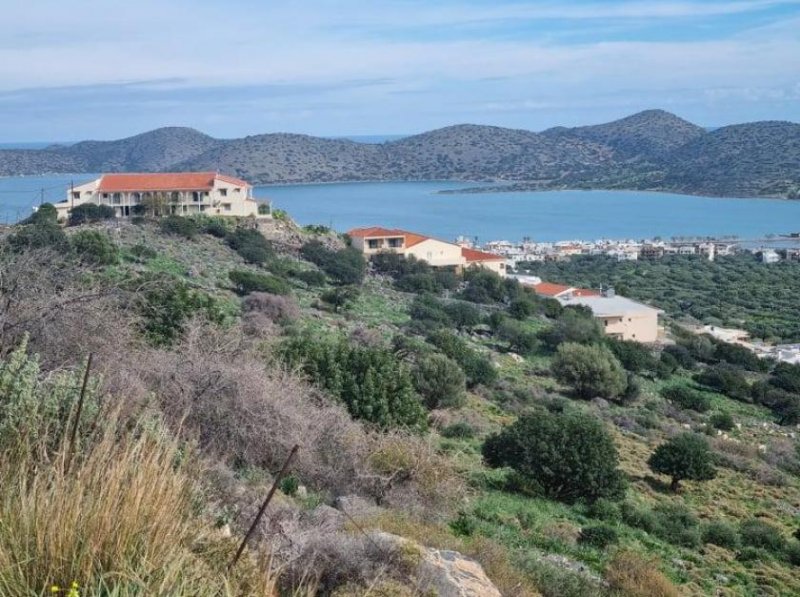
438,253
181,193
621,317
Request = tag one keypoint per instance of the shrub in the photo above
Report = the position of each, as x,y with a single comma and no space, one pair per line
519,339
522,308
245,282
346,266
341,297
565,456
590,370
215,227
741,356
573,325
723,421
633,389
460,430
721,533
372,384
311,277
429,311
290,484
787,377
484,286
90,212
478,368
39,235
280,309
464,525
180,226
46,213
251,245
686,397
463,315
440,381
604,509
676,524
762,535
682,356
792,552
418,283
726,380
685,456
599,536
632,575
633,356
143,252
94,247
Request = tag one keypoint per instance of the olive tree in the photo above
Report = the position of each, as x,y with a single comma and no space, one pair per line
590,370
685,456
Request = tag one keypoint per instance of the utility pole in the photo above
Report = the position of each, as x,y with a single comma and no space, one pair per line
41,196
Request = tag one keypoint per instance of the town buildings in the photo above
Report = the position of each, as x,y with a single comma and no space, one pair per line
181,193
438,253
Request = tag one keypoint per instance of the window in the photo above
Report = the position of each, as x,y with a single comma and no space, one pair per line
175,196
195,196
136,197
605,322
116,198
76,195
236,190
223,192
105,195
226,206
395,242
373,243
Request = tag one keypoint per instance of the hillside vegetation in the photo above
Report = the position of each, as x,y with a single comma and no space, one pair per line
652,150
433,411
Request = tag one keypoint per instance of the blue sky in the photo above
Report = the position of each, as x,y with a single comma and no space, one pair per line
100,69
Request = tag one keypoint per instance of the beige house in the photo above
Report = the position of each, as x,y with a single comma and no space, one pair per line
621,317
182,193
437,253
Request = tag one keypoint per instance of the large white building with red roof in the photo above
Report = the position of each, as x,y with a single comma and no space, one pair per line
438,253
181,193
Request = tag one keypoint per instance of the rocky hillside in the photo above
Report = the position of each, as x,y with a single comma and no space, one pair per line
652,150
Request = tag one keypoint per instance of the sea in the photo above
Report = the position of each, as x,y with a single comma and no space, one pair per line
540,216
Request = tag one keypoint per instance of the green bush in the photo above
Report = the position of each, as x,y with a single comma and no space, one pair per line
519,338
346,266
634,356
215,227
522,308
43,234
681,355
792,553
762,535
564,456
685,456
251,245
573,325
720,533
92,246
370,381
311,277
686,397
464,525
676,524
246,282
180,226
460,430
478,368
727,380
723,421
46,213
429,312
604,509
599,536
463,315
591,370
740,356
440,381
90,212
341,297
143,252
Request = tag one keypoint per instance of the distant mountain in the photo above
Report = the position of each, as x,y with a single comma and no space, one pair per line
649,150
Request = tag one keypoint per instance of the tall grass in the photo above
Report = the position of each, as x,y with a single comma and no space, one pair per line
123,519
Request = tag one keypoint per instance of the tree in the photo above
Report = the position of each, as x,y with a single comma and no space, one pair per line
573,325
591,370
90,212
565,456
519,338
440,381
94,247
463,315
685,456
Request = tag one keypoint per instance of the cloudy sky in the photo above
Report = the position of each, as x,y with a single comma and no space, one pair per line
106,69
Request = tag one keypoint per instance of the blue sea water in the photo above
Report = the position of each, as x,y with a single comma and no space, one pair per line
544,216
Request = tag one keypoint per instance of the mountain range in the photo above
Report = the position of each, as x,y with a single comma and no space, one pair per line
650,150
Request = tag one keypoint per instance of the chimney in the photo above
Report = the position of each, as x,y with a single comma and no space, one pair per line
608,292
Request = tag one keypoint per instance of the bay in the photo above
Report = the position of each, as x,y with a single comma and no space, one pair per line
543,216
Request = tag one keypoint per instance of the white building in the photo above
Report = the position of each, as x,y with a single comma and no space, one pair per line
182,193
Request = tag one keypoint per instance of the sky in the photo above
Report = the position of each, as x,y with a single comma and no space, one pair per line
108,69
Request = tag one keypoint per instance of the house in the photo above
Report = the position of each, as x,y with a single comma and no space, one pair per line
182,193
438,253
769,256
621,317
559,291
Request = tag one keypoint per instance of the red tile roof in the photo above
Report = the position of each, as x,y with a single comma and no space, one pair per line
586,292
549,289
164,181
410,238
471,255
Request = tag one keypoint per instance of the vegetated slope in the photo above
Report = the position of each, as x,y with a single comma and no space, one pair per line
646,135
652,150
293,158
761,158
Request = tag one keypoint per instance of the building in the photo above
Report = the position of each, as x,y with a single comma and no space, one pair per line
438,253
560,291
621,317
182,193
769,256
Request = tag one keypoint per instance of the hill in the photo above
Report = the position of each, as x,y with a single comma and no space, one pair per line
413,394
652,150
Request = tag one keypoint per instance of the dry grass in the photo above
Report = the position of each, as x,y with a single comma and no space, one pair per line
632,575
122,521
